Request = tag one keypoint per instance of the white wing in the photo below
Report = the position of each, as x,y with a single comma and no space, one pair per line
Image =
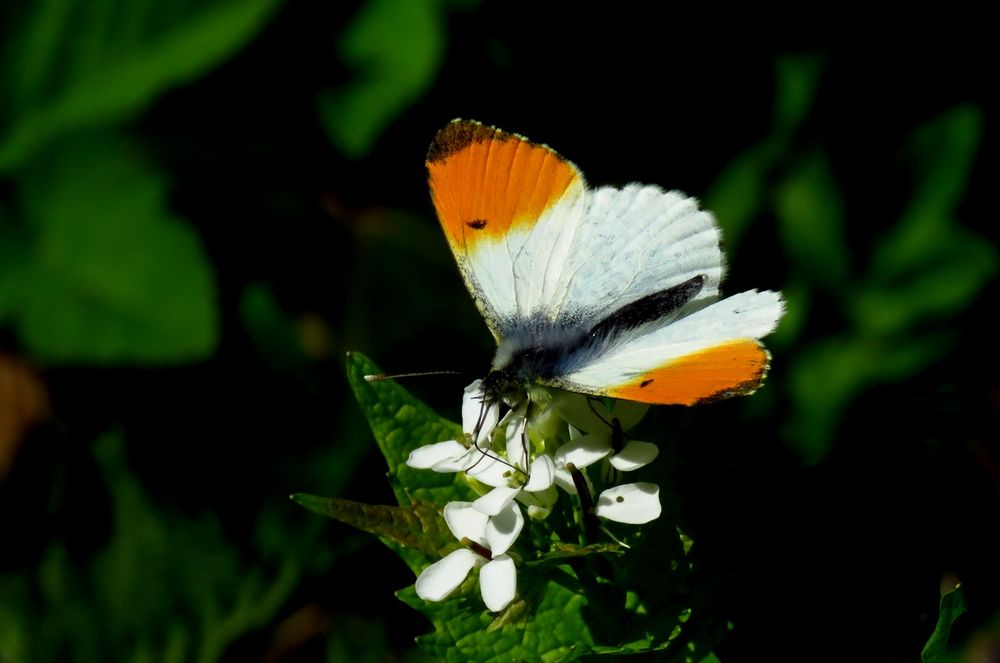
710,353
509,208
633,242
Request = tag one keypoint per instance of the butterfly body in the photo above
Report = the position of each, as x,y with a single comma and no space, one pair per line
608,292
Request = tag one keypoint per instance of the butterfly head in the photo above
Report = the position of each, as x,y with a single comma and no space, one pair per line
514,384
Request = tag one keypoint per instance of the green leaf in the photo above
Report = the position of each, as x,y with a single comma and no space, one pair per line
831,373
952,607
273,332
14,617
12,260
113,276
640,602
548,625
401,423
395,48
942,152
418,526
737,194
954,273
810,218
560,552
81,64
572,599
796,80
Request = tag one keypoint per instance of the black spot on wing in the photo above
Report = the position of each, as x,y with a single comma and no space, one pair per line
476,224
649,308
646,383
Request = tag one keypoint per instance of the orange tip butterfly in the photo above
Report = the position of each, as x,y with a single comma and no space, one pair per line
607,292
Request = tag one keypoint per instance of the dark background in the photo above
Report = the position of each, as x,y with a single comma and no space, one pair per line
203,206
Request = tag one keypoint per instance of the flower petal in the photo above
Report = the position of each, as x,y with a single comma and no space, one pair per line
564,480
498,583
458,463
634,455
545,424
464,520
496,500
479,417
538,512
472,405
503,528
546,498
490,470
441,578
585,450
517,442
629,413
582,412
632,503
425,457
541,475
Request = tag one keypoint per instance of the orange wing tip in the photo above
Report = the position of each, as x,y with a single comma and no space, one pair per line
735,368
485,181
747,388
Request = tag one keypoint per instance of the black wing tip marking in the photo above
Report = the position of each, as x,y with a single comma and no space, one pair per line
459,134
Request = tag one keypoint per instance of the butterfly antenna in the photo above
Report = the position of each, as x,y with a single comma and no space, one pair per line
590,404
393,376
485,453
618,435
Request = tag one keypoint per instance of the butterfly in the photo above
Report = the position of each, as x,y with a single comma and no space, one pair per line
610,292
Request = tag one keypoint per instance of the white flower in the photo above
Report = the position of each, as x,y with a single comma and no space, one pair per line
479,419
581,451
515,475
631,503
591,415
493,537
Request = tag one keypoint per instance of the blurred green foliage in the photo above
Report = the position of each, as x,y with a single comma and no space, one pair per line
103,271
72,65
97,267
895,314
164,588
395,48
186,273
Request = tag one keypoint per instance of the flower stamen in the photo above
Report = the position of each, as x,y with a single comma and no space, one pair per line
477,548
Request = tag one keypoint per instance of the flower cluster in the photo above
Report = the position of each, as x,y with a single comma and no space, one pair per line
520,459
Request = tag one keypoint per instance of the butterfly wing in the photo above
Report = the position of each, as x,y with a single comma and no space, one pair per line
634,242
508,208
620,284
535,247
711,353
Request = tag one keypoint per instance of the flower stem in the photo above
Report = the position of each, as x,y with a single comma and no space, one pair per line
591,526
